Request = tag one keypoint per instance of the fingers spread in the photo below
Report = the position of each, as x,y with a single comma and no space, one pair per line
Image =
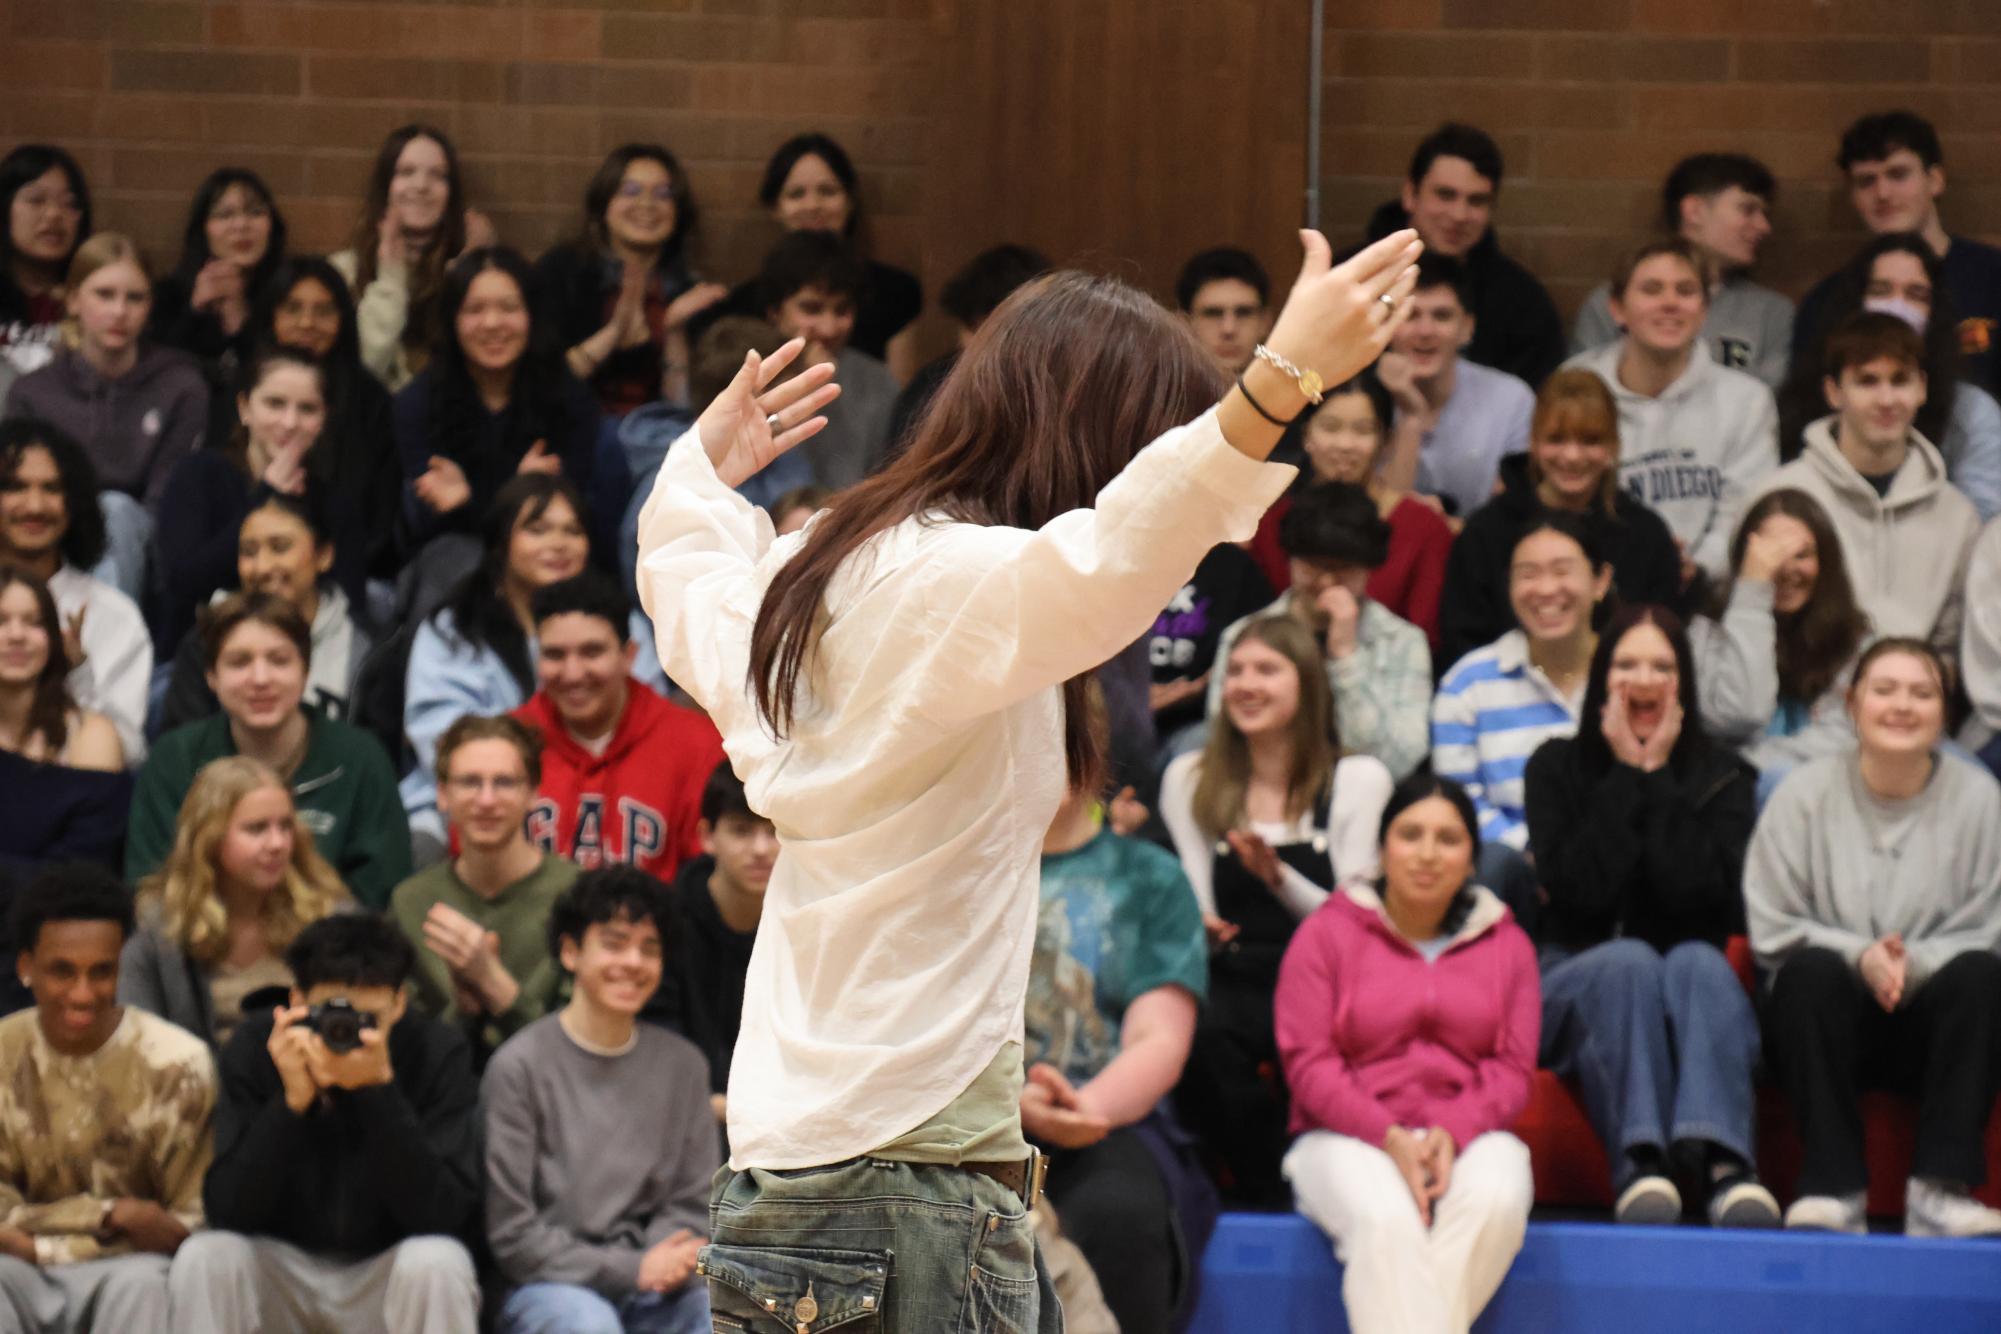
796,388
775,364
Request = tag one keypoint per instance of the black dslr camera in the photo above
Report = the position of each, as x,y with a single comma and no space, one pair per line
339,1024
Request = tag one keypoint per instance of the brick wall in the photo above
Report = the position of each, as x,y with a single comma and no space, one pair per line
152,94
1591,100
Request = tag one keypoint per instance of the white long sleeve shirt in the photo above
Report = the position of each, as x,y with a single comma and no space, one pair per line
118,655
923,766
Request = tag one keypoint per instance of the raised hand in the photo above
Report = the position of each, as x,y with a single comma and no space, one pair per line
443,486
539,459
693,302
1617,730
753,421
1335,321
1764,552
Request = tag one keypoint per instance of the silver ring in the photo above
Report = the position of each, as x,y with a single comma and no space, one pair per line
1388,300
772,423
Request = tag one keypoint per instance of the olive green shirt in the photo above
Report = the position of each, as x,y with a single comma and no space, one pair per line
519,914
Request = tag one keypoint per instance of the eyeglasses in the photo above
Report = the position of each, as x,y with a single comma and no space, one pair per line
471,785
662,194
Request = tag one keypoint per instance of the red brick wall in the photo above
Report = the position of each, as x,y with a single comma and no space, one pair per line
1121,132
1593,100
152,94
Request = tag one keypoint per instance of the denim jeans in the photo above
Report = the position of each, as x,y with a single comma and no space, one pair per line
567,1308
1662,1046
874,1247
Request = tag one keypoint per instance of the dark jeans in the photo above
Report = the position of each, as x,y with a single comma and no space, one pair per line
1827,1039
874,1247
1662,1046
1111,1201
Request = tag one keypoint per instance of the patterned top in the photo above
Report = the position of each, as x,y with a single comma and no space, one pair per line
130,1120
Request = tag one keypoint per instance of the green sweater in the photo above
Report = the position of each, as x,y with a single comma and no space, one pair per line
344,789
519,914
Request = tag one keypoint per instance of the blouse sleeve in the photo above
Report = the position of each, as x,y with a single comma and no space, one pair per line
988,615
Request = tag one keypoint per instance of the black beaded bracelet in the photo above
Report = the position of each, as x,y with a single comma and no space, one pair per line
1258,407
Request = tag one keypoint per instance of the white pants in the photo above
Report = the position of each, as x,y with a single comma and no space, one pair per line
227,1283
1401,1278
126,1294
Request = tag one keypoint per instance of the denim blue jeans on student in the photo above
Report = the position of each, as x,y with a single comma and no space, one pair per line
566,1308
874,1247
1662,1046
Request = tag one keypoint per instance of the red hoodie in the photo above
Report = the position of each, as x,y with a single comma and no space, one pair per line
639,802
1372,1036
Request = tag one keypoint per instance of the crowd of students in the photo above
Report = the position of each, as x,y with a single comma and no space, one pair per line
367,868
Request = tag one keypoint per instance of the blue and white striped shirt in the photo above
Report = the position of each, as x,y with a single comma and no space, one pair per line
1493,709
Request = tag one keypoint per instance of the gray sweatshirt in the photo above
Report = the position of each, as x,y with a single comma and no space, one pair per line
1749,328
1907,551
1980,638
1737,685
1834,866
592,1159
134,428
1696,452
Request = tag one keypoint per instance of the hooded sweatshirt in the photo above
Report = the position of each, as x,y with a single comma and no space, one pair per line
1748,328
1834,866
637,804
1696,452
1980,640
1372,1035
1737,683
339,647
1516,328
1906,551
1474,609
134,428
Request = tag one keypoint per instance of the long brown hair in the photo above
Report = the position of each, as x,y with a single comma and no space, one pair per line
50,709
1069,378
1316,745
427,270
1815,642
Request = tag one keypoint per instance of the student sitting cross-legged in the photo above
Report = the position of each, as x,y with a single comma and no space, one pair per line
599,1138
347,1158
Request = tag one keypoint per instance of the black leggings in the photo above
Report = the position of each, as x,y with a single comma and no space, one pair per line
1827,1039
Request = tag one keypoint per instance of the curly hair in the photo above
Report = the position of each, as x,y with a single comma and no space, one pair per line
187,890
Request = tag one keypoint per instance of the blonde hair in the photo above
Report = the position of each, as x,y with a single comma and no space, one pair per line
1576,402
1316,744
186,888
99,252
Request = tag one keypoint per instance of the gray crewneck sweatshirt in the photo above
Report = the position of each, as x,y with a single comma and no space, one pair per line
1835,866
591,1159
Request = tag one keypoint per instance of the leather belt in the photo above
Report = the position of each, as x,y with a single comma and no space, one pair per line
1023,1176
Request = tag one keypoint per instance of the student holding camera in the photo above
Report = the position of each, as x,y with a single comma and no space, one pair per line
346,1156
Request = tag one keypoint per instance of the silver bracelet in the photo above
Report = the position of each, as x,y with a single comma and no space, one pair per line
1310,383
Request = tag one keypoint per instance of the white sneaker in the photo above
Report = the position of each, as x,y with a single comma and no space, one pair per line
1830,1213
1743,1203
1935,1208
1649,1199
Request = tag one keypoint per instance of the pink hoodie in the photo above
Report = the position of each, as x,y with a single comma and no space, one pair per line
1372,1036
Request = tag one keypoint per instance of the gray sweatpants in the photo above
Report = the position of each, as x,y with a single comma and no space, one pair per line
125,1292
227,1283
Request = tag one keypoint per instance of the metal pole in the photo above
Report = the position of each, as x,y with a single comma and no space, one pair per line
1314,43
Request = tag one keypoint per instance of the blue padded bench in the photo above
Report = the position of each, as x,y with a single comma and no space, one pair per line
1275,1273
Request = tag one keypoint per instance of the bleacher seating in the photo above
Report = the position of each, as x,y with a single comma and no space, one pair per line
1276,1274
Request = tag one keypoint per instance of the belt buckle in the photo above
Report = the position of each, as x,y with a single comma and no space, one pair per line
1035,1170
